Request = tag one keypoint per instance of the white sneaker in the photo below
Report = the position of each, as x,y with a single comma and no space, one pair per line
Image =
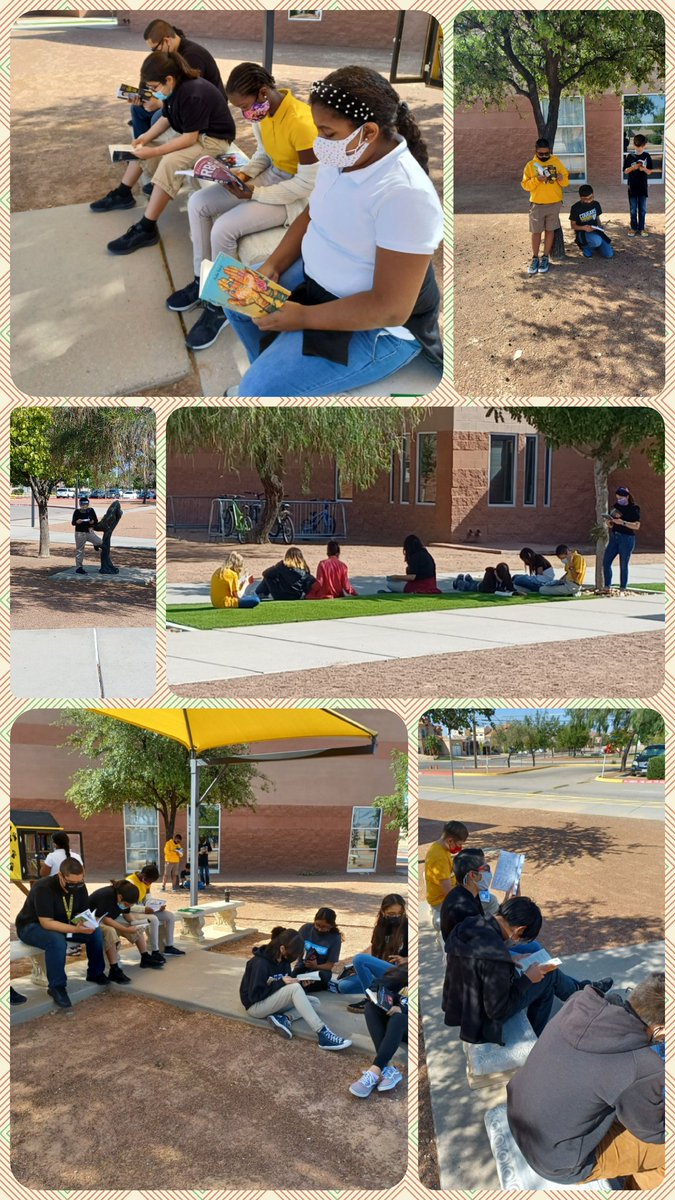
365,1085
390,1078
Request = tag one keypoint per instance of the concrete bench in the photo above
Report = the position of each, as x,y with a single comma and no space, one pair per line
224,913
489,1063
515,1174
19,950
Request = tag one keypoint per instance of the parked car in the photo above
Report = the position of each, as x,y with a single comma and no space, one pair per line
641,760
112,494
129,494
97,494
65,493
147,494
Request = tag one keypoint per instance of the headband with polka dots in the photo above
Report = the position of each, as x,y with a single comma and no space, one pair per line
343,102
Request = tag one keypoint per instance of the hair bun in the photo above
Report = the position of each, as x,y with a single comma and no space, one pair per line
403,108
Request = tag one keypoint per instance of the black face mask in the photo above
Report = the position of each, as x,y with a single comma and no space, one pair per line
392,922
74,887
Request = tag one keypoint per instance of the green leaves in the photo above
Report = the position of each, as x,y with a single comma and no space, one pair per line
396,806
607,435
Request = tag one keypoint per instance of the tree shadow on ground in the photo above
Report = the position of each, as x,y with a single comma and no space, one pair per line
34,593
578,930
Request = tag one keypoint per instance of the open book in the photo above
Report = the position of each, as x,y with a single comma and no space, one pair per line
122,153
87,918
228,283
384,997
307,975
542,957
508,871
137,93
218,170
154,903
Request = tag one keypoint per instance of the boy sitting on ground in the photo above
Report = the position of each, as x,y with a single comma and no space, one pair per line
585,221
571,582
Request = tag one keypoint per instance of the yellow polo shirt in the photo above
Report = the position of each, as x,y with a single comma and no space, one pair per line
172,851
576,568
437,867
224,589
289,131
143,888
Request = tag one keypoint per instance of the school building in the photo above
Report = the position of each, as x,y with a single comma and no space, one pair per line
317,817
592,136
461,477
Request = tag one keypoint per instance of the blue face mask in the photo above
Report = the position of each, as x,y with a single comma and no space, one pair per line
160,96
123,907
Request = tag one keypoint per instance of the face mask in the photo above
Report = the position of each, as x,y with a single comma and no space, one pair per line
257,111
336,154
161,95
622,499
393,921
74,887
122,907
454,849
543,157
485,879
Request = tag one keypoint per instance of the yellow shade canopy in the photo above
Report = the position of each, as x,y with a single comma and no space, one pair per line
203,729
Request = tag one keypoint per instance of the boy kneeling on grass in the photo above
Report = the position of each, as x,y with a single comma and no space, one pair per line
570,583
229,583
585,221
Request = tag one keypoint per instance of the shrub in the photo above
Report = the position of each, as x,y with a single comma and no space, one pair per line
433,745
656,767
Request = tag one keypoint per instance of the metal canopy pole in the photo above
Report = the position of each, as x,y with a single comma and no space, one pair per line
194,825
268,41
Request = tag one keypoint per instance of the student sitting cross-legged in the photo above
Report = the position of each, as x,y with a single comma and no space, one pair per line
332,577
47,920
322,942
571,582
289,579
358,259
269,990
277,183
112,904
539,572
229,584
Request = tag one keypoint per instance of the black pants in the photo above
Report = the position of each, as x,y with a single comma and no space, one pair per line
387,1033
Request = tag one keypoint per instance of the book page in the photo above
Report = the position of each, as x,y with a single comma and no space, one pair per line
508,871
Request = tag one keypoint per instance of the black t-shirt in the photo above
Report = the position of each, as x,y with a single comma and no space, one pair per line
201,59
638,182
83,519
104,903
325,947
583,213
625,512
421,565
197,106
48,899
539,563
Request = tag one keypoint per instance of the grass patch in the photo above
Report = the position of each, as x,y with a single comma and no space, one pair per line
649,587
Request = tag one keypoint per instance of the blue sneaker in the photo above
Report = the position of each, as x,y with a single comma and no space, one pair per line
282,1024
389,1079
331,1041
587,253
365,1085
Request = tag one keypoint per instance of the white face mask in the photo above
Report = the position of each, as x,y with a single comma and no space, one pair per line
336,154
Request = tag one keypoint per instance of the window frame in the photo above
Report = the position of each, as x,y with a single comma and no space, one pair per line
405,447
512,503
579,181
418,477
365,870
652,181
531,437
126,824
548,475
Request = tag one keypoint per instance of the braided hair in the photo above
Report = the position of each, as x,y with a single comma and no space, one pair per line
370,96
247,79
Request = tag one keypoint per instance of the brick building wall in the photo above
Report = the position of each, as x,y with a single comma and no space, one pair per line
365,30
302,824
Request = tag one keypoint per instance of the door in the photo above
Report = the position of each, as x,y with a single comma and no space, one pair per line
418,50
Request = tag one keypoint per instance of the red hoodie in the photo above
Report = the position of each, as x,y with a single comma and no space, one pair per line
332,580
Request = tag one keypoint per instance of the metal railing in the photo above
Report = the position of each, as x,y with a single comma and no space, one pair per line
187,512
231,517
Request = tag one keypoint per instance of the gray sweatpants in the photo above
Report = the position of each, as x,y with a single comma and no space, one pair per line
562,588
293,1000
217,219
81,540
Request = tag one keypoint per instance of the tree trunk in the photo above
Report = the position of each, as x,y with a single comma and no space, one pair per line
41,495
625,752
475,755
274,493
508,760
533,762
601,481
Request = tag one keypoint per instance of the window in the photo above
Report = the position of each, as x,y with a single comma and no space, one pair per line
209,829
426,468
502,487
548,466
364,839
141,836
344,489
392,475
530,480
570,138
405,469
646,114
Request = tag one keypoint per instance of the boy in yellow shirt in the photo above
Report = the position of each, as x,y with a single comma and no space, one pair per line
438,873
544,177
575,572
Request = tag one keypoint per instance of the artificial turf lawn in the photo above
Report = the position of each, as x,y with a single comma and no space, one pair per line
202,616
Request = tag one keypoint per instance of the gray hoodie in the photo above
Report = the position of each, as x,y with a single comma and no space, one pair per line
591,1066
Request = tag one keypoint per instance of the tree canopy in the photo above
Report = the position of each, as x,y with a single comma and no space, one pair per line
359,440
542,56
130,765
395,806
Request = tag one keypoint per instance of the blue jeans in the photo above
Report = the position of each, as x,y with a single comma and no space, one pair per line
142,120
563,985
283,370
368,968
249,601
531,583
595,242
623,545
54,945
638,211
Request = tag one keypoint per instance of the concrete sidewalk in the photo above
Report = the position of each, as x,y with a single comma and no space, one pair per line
199,655
23,533
466,1161
83,663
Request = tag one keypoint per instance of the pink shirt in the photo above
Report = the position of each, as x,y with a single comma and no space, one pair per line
332,579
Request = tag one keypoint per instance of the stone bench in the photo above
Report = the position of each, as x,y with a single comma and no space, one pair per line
224,913
19,950
489,1063
515,1174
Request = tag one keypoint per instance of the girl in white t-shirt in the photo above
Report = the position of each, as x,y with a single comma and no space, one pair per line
61,844
358,259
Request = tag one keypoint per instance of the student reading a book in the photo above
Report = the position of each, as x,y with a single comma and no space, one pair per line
571,581
173,853
112,905
278,180
483,985
420,573
84,519
155,911
388,947
588,1104
229,584
332,577
539,571
358,259
47,921
496,581
268,990
289,579
623,523
322,943
386,1014
202,121
473,876
61,850
589,234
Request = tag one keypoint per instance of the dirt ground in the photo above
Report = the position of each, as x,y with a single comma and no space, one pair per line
589,327
215,1104
575,668
39,602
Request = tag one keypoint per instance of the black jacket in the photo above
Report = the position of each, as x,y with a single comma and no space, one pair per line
482,981
261,968
591,1066
287,583
459,904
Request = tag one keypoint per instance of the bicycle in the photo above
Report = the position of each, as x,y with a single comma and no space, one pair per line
236,520
240,518
320,523
283,529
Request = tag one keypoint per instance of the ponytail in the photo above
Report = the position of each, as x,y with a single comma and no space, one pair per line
407,126
159,65
62,841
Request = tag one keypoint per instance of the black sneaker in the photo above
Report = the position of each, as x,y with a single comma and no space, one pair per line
80,571
603,986
184,300
173,950
205,331
114,199
147,189
116,975
101,980
157,957
359,1006
60,997
16,997
147,961
135,238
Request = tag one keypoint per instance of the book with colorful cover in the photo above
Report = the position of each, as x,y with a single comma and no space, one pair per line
217,170
228,283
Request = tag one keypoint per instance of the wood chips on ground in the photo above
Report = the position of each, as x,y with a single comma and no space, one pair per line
37,601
